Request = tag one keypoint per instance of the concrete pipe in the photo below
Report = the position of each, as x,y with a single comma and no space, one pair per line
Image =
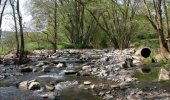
141,55
145,52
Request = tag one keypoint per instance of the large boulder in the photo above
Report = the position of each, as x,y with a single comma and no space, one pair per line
164,75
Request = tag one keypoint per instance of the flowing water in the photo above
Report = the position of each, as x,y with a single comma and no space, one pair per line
9,90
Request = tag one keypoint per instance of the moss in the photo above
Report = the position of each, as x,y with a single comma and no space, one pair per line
153,75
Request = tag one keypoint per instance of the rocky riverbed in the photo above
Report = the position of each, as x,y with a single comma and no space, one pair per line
78,75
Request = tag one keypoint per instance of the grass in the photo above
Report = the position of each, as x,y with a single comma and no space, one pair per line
152,43
33,46
66,46
3,49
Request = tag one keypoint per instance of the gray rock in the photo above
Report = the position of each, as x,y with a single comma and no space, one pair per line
128,63
60,65
104,59
35,70
23,85
2,77
108,97
108,92
86,67
34,86
27,69
104,73
101,93
119,65
64,85
92,86
84,73
87,82
46,68
70,72
50,87
94,69
164,75
40,64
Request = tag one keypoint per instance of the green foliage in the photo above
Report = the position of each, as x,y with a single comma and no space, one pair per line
10,40
77,27
103,43
146,36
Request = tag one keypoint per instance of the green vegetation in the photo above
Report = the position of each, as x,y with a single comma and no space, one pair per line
152,43
155,69
3,49
153,75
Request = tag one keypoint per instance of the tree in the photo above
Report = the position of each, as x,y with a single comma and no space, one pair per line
45,14
12,3
22,45
80,25
1,14
55,27
157,21
117,20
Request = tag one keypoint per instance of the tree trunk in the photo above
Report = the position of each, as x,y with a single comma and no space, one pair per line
22,47
16,28
1,15
55,27
163,45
